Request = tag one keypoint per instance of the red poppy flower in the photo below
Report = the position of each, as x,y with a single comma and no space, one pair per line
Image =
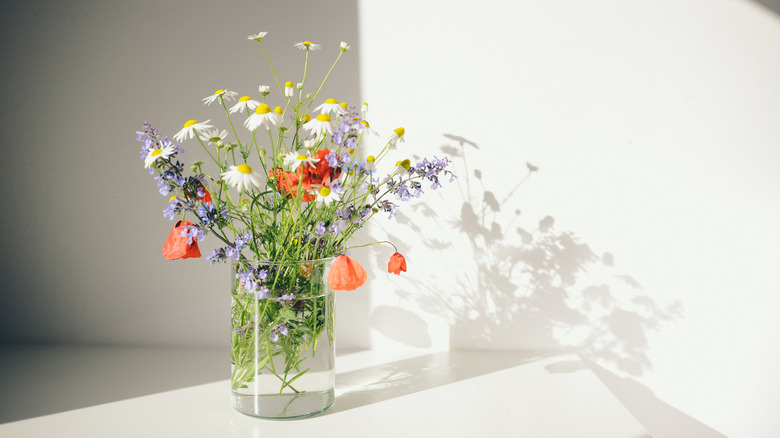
287,183
346,274
396,264
206,198
320,172
176,247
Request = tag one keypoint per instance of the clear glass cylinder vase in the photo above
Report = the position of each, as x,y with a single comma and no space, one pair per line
282,340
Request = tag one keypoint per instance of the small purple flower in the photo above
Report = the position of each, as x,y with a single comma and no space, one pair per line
263,293
320,228
332,159
193,233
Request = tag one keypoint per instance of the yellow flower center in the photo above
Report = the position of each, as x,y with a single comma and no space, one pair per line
325,191
405,164
288,84
306,118
343,104
189,123
323,118
218,91
308,42
399,132
331,101
302,157
173,198
370,159
244,201
263,108
278,110
365,124
156,152
244,168
244,99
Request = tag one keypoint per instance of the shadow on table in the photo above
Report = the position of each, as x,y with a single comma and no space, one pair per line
396,379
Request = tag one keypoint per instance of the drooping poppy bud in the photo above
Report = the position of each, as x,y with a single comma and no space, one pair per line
176,247
346,274
396,264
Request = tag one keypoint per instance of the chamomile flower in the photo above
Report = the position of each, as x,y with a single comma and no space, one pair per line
258,36
344,47
364,127
224,94
396,136
264,90
319,126
215,136
288,89
242,177
297,159
244,102
402,167
370,163
330,106
308,45
191,129
325,195
364,108
155,154
263,116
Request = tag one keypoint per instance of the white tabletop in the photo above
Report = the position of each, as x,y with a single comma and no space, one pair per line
447,394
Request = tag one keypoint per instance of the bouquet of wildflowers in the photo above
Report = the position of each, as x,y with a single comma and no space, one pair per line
287,183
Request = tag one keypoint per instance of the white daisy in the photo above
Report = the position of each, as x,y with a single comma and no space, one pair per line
214,136
242,177
319,125
296,159
325,195
263,116
344,46
257,37
397,135
244,102
402,167
225,94
288,89
366,128
330,106
364,108
308,45
370,163
154,154
191,128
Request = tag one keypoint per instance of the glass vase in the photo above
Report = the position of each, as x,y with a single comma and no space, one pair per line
283,352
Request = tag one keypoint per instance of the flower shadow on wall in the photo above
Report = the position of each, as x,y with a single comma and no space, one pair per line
531,286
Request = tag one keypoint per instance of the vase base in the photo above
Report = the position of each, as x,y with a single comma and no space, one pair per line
284,406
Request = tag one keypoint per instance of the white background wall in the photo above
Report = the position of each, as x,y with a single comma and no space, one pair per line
646,239
655,129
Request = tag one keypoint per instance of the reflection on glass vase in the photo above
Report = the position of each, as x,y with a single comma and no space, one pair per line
282,348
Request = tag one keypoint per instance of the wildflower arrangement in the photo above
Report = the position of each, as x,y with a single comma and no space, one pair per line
288,184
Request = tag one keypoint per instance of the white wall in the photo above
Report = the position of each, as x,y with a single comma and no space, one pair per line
654,126
81,218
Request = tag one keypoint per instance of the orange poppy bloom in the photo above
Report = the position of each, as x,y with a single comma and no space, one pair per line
396,264
320,172
287,183
206,198
176,247
346,274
